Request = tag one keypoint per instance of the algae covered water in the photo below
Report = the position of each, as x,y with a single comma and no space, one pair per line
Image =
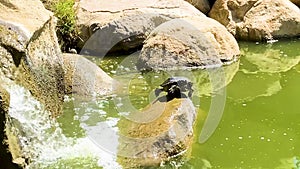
260,124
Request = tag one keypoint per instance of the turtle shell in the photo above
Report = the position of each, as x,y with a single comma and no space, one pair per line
182,82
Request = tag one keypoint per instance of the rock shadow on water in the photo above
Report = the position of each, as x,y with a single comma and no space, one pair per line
275,57
261,69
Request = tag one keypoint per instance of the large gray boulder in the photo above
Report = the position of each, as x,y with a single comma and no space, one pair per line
258,19
188,42
29,52
122,26
83,77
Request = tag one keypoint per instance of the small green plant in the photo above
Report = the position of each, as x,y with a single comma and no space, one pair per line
66,29
66,25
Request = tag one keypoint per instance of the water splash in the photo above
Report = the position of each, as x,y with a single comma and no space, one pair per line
41,138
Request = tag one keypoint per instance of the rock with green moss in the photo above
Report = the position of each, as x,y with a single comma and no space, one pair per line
161,131
10,156
29,51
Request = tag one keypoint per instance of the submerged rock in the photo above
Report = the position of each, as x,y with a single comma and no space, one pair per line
161,131
83,77
29,51
258,20
188,42
123,26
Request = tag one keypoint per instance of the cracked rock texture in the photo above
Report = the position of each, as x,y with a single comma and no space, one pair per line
29,52
258,19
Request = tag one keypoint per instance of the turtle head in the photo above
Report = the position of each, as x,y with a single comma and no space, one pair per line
176,87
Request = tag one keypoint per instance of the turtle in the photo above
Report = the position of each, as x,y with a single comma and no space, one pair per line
176,87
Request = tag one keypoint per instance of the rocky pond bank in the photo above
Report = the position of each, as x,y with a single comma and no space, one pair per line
173,34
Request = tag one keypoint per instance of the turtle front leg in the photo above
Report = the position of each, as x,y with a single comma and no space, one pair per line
190,93
157,92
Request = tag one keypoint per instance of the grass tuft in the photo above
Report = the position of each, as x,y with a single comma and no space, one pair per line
66,29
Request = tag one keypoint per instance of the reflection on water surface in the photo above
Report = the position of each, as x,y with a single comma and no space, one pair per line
260,126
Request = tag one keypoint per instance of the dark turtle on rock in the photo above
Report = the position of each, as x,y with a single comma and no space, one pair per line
176,87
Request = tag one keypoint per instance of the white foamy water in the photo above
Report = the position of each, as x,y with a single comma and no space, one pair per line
42,139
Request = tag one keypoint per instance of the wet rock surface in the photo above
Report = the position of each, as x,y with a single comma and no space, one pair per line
28,46
161,131
6,155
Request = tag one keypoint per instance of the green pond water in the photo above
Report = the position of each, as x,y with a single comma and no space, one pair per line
260,124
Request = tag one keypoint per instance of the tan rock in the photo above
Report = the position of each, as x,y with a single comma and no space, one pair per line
258,20
28,43
161,131
7,66
9,147
103,24
202,5
22,16
188,42
83,77
4,100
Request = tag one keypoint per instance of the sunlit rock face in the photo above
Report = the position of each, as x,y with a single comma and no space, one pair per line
161,131
123,26
83,77
258,20
198,42
28,46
